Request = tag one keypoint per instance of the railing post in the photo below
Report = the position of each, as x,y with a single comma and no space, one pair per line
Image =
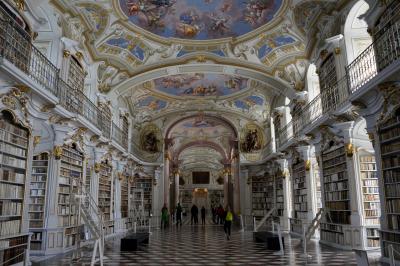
254,224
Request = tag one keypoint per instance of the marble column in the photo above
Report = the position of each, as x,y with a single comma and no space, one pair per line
176,185
166,180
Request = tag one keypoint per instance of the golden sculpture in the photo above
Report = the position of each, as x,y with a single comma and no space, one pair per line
57,152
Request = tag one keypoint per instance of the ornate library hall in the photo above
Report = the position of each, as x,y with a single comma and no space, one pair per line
199,132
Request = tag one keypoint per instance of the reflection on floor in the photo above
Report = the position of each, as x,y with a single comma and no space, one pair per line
207,245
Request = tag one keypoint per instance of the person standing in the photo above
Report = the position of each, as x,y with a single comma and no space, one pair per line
203,215
196,215
192,212
228,223
178,217
164,216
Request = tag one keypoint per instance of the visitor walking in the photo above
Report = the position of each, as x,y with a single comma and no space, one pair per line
195,215
178,215
203,215
220,213
164,217
228,223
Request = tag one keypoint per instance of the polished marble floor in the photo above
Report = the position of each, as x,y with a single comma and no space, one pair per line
207,245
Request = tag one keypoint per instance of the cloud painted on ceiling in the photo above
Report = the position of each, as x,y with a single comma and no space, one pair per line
200,84
200,19
152,103
201,127
274,43
129,45
249,102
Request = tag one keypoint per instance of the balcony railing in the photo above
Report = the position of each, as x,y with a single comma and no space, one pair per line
16,47
327,101
379,55
119,136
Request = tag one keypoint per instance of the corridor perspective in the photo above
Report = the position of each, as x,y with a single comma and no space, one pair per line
212,132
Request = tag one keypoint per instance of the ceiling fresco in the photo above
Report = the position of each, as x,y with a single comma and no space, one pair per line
200,84
200,19
152,103
249,102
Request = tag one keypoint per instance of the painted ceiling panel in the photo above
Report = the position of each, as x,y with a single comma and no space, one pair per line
200,19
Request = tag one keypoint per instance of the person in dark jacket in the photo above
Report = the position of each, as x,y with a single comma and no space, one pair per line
178,215
203,215
195,214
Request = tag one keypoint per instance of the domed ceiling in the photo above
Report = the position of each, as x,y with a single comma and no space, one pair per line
200,19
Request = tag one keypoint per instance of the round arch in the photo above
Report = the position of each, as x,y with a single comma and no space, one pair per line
201,143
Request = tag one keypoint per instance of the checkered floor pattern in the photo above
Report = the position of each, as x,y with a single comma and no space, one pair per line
207,245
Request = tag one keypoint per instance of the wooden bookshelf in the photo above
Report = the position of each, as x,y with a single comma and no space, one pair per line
37,207
71,174
105,187
14,144
300,204
389,141
262,198
336,194
370,196
280,201
146,184
124,197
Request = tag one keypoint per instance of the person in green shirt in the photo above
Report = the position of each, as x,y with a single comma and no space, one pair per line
164,217
228,222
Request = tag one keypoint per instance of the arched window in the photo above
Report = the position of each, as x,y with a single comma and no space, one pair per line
356,35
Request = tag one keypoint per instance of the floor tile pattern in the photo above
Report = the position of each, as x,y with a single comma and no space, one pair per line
207,245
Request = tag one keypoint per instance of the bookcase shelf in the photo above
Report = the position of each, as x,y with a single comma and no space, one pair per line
146,184
262,195
14,144
299,190
280,201
390,162
68,217
105,185
37,207
336,194
370,196
124,197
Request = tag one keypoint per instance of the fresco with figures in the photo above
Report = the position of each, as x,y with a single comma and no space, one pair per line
200,19
200,84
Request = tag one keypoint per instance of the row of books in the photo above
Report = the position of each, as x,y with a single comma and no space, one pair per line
63,199
10,227
390,147
393,206
389,134
301,207
63,209
259,199
338,195
389,162
340,217
371,197
16,130
71,153
372,221
36,208
11,242
393,222
11,161
11,191
372,213
36,215
9,208
391,176
337,177
370,190
332,237
69,162
335,170
259,189
372,205
392,190
300,198
367,166
367,159
334,161
303,215
336,186
13,139
70,170
11,176
370,183
332,154
369,175
262,206
37,200
11,149
338,205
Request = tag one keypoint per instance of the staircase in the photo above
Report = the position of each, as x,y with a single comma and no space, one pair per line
263,220
93,219
313,225
136,210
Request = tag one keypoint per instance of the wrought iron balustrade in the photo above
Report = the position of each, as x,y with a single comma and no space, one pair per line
384,51
16,47
105,124
118,135
285,134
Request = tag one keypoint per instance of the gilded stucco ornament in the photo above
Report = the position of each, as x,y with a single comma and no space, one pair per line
36,140
97,167
350,149
307,165
57,151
